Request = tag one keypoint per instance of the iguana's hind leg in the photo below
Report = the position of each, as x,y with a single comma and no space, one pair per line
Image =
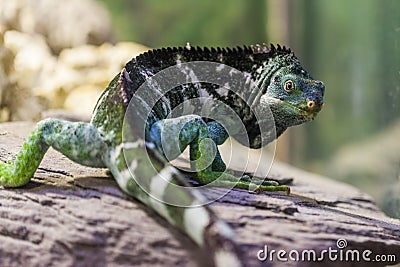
172,136
78,141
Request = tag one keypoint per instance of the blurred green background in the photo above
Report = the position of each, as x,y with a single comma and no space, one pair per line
353,46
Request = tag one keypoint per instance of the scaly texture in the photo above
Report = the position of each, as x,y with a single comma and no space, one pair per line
135,132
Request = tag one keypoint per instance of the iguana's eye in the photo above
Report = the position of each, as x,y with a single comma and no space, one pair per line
289,86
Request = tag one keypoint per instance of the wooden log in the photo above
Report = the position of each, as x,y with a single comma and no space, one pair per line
70,215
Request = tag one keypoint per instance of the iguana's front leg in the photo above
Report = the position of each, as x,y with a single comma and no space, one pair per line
172,136
78,141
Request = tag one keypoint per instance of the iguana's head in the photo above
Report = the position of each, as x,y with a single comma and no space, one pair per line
293,96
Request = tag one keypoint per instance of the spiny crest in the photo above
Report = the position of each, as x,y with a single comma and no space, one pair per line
264,53
243,58
223,50
166,52
264,49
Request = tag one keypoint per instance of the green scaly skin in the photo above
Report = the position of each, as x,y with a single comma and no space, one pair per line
282,86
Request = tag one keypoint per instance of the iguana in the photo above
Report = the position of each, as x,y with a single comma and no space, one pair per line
134,135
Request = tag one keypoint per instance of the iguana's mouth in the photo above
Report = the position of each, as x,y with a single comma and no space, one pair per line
290,111
303,113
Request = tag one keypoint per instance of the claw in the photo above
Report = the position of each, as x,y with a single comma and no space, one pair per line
245,177
288,190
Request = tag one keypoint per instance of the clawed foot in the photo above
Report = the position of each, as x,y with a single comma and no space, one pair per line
268,184
230,179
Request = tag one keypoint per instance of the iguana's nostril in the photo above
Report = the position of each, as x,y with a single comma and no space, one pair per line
310,105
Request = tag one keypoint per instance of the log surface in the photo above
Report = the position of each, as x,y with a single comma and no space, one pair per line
70,215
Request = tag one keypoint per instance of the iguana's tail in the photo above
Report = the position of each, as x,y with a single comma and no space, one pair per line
200,223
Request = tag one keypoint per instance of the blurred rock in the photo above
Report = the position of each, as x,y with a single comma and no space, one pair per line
18,65
74,80
32,58
33,78
86,96
63,24
391,200
374,157
372,165
93,68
